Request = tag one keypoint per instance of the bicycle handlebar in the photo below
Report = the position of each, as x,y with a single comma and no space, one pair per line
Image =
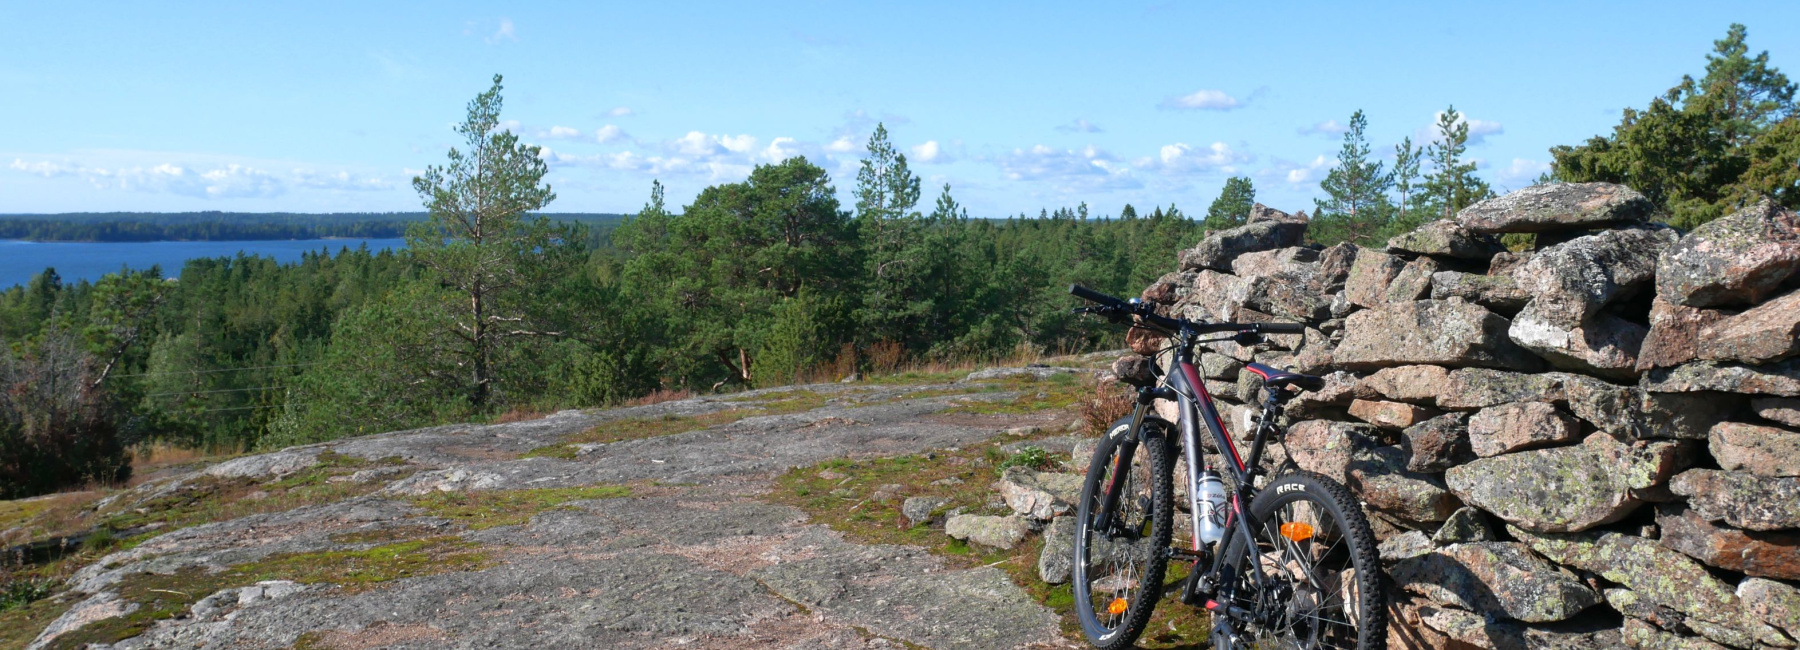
1116,307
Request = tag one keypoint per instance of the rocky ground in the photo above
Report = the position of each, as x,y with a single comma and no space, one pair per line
617,529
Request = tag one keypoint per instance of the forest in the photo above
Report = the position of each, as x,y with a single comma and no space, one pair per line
498,306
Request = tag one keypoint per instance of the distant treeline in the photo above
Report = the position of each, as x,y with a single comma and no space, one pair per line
236,226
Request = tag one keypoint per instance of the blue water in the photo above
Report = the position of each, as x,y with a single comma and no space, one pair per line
19,260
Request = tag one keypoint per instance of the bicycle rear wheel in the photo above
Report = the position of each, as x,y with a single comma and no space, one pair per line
1119,564
1324,589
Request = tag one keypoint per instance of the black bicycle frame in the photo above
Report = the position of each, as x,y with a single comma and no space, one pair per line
1184,386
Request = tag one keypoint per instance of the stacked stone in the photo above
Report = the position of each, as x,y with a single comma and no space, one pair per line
1593,443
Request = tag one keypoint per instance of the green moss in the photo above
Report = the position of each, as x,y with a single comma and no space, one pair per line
160,597
487,509
19,625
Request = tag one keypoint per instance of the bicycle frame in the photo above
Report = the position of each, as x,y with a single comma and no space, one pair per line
1184,386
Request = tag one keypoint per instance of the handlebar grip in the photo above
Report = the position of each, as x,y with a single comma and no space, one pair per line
1281,328
1085,293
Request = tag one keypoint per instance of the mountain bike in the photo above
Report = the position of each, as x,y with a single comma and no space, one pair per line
1283,559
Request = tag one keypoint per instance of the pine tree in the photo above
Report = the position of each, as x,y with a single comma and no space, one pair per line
895,275
1406,176
1232,207
1357,186
480,240
1452,184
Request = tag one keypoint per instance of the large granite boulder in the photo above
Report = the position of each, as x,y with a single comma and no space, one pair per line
1419,384
1767,333
1498,292
1558,206
1759,450
1478,388
1284,298
1219,249
1498,579
1437,444
1413,282
1296,264
1772,602
1380,477
1654,572
1780,379
1389,415
1674,336
1447,238
1442,332
1571,281
1633,413
1517,426
1334,268
1564,488
1765,554
1211,295
1369,277
1603,344
1741,499
1732,261
1327,447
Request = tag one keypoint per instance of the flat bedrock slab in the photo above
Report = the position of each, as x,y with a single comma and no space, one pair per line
1736,260
1557,206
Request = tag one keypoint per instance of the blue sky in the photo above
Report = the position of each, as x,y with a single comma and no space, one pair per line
328,106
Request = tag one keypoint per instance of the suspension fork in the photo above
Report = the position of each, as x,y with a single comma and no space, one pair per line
1127,448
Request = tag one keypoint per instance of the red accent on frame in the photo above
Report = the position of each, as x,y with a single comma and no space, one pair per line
1193,379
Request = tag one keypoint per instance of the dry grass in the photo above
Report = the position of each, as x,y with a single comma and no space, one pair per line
520,414
1106,403
659,396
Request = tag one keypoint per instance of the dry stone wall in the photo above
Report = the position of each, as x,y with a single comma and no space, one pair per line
1595,443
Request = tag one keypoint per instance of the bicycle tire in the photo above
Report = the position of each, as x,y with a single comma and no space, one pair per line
1151,464
1339,538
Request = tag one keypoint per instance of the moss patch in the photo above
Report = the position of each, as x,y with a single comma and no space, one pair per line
487,509
1056,393
161,597
19,625
837,493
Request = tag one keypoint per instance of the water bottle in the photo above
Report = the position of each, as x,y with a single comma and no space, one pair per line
1212,506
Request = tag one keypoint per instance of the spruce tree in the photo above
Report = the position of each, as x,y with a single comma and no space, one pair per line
1408,210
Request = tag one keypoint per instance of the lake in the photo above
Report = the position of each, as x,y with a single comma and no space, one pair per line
19,260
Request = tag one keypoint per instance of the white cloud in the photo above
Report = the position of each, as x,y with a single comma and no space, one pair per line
216,180
342,180
610,133
507,125
737,144
1182,158
1080,126
1327,127
621,111
841,145
1479,129
1088,168
504,33
1297,173
780,149
1206,100
563,132
44,168
930,153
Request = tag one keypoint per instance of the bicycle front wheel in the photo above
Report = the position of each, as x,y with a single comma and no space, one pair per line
1119,563
1323,581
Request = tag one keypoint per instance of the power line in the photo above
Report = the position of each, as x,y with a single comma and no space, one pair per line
204,372
246,408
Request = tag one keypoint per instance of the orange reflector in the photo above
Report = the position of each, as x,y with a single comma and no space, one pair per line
1297,531
1117,607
